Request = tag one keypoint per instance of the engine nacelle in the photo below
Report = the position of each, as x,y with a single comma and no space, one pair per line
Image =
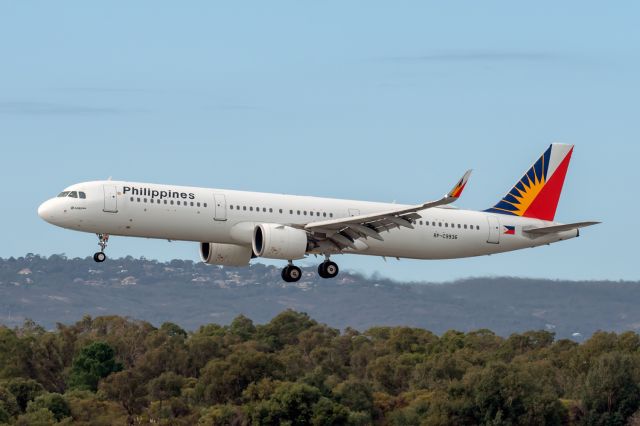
225,254
274,241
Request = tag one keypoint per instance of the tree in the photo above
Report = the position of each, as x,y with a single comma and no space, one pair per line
291,403
54,402
127,388
165,386
40,417
24,390
611,392
92,364
242,327
8,405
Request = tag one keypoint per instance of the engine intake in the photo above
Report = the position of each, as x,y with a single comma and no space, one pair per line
274,241
225,254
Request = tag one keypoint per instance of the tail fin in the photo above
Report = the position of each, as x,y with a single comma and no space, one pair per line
536,195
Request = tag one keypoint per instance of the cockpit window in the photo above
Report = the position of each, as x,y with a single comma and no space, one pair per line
63,194
73,194
82,194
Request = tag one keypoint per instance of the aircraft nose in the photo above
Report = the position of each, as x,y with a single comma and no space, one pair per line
45,211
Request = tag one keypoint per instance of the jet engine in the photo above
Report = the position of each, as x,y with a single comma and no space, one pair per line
225,254
274,241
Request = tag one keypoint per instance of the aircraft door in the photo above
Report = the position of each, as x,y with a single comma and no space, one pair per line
221,207
110,199
354,212
494,229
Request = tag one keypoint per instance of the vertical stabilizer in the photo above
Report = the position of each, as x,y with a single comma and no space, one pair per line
536,195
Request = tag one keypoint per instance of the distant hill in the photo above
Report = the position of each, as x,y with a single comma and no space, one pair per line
57,289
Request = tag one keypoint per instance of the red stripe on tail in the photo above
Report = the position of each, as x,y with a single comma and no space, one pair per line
545,205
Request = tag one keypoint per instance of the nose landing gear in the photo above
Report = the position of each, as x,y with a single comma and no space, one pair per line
103,239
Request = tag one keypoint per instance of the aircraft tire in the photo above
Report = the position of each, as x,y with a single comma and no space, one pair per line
291,273
328,269
100,257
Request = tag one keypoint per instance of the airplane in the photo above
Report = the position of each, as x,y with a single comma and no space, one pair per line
233,227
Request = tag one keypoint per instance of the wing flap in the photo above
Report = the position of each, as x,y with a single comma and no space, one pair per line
345,231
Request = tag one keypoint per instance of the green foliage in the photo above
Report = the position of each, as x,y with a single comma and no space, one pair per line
92,364
54,402
611,393
8,405
24,390
295,371
40,417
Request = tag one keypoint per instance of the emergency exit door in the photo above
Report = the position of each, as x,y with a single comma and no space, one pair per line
220,202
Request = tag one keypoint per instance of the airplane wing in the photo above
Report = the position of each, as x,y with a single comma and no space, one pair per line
558,228
345,231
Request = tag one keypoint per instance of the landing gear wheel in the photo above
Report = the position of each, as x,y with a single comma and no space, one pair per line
100,257
291,273
328,269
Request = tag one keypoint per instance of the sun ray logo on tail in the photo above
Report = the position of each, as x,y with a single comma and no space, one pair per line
537,193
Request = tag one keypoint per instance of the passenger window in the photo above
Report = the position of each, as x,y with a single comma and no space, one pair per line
324,214
82,195
458,226
264,210
131,199
244,208
305,212
73,194
138,200
280,211
171,202
205,204
230,206
310,213
290,211
465,227
317,213
330,214
298,212
192,204
446,225
250,208
165,201
440,224
197,204
478,227
63,194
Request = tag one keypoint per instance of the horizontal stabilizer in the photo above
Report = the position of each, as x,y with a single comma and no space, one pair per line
558,228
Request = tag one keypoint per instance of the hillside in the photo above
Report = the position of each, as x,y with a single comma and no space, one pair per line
57,289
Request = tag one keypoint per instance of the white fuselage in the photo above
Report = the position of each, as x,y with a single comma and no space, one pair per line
227,216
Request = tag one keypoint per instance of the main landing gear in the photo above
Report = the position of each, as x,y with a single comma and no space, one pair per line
326,269
103,239
291,273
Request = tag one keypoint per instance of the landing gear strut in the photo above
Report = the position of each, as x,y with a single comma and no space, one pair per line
328,269
291,273
103,239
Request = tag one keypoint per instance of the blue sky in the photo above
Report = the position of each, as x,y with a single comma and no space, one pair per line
366,100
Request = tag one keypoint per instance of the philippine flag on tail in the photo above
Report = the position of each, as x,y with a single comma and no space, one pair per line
509,230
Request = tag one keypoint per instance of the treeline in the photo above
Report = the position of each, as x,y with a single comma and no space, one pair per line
293,370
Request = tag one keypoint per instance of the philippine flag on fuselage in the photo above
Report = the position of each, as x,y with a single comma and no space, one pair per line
509,230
